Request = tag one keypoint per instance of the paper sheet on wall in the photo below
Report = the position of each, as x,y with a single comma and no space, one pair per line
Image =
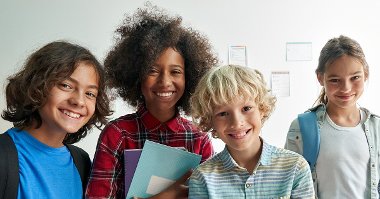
280,82
298,51
237,55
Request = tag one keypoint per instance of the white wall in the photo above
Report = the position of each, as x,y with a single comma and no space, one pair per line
263,26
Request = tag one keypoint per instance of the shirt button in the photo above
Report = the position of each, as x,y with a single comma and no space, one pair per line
248,185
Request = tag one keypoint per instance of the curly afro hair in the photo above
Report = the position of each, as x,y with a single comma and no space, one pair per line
141,39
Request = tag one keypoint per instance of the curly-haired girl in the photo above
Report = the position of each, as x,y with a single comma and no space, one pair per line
53,101
155,67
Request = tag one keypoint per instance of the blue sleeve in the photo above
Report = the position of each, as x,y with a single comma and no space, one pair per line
303,183
197,186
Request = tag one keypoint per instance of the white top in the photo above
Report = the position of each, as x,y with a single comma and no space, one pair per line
342,164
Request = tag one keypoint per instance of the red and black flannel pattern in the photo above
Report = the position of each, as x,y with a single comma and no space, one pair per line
130,132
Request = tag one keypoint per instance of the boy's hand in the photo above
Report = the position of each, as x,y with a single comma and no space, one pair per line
177,190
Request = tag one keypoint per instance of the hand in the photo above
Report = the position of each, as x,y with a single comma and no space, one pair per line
179,189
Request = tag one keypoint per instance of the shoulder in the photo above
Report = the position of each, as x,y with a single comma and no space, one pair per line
7,145
10,133
189,126
284,152
286,156
212,165
369,113
121,125
294,124
124,121
74,149
372,117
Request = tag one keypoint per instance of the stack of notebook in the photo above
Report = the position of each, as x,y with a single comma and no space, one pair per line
152,169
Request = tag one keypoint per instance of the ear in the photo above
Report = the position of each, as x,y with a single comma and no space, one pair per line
320,79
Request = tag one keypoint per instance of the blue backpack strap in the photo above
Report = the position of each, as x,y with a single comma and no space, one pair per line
310,137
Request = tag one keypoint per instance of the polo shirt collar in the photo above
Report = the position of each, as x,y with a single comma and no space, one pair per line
229,163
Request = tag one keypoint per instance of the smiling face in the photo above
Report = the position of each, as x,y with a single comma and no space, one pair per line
164,84
238,124
343,81
70,105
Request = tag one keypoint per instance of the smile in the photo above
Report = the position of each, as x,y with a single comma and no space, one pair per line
239,135
166,94
345,97
71,114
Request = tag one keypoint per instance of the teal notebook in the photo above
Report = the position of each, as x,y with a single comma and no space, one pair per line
159,166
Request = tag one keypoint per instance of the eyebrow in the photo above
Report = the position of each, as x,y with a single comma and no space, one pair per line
171,65
177,66
92,86
355,73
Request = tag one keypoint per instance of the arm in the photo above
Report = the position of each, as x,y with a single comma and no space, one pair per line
293,138
303,183
106,179
197,186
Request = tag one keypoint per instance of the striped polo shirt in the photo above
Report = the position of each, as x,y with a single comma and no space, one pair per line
280,174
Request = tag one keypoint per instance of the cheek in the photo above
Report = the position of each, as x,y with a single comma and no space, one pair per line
216,124
329,89
180,82
145,86
91,108
360,85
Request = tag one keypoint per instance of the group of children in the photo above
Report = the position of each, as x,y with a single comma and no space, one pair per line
165,70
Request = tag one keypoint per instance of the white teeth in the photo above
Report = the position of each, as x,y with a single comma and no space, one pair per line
165,94
71,114
238,135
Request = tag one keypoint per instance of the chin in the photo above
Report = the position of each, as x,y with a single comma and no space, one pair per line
72,130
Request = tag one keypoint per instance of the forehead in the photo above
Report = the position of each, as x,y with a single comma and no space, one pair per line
344,65
238,101
85,73
170,56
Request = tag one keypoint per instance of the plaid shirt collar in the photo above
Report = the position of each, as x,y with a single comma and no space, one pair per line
151,123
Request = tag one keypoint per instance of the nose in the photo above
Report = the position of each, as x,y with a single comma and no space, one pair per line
165,79
237,120
77,99
346,86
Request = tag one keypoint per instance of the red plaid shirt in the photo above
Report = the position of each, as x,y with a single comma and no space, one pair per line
130,132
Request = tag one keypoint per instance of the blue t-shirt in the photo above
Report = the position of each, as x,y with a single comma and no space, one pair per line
45,172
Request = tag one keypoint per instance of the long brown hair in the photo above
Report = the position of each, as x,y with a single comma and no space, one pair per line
28,90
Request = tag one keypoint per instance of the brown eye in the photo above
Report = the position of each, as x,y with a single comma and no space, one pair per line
247,108
91,95
65,86
222,114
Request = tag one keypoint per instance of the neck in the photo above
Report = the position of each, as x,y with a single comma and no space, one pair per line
248,158
51,139
347,117
162,115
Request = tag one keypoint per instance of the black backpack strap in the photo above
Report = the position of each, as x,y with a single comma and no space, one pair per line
83,163
9,169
